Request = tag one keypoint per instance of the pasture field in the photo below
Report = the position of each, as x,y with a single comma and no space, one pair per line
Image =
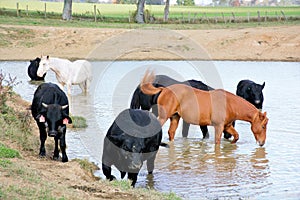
124,12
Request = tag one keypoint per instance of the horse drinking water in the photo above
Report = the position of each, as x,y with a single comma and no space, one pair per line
67,72
217,108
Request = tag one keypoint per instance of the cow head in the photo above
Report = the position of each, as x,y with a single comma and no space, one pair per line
56,117
255,94
44,66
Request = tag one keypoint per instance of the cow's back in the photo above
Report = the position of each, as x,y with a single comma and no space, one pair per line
48,93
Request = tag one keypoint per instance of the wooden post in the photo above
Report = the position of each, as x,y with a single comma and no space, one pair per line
258,16
26,10
195,14
45,13
189,17
129,17
18,9
266,15
278,18
233,15
95,14
224,20
206,18
248,17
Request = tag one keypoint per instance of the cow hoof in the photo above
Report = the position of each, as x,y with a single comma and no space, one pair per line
55,157
65,160
42,154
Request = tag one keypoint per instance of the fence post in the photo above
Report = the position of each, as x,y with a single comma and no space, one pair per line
223,17
26,10
45,13
233,15
18,9
95,14
248,17
266,15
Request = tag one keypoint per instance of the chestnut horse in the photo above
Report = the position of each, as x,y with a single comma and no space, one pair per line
217,108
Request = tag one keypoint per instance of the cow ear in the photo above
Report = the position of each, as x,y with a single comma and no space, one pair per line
263,85
42,118
67,120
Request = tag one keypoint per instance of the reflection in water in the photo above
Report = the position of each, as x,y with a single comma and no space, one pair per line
195,168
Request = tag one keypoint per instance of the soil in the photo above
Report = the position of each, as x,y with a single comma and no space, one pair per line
252,44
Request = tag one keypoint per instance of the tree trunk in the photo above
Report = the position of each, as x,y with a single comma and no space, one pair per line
67,11
139,18
167,10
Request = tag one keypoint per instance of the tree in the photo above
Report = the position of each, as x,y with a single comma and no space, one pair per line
67,11
139,18
167,10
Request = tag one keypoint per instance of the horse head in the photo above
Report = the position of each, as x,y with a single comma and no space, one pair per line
259,127
43,66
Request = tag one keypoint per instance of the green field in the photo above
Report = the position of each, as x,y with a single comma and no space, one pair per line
123,10
32,12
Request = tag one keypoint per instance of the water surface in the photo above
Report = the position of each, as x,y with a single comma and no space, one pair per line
192,167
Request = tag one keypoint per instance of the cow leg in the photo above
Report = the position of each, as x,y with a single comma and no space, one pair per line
56,151
133,178
63,145
185,129
204,131
43,137
82,87
218,133
173,126
107,172
122,174
230,129
150,163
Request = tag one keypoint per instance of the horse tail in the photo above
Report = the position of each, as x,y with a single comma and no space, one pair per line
135,101
146,84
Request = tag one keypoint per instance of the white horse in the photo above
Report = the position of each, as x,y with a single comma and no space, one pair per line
67,72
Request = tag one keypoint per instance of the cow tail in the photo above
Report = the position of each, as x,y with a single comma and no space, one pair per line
146,84
135,101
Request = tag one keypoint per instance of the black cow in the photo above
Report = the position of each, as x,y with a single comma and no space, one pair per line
32,70
146,102
134,137
51,112
252,92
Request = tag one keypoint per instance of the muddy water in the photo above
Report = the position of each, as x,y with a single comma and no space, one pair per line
194,168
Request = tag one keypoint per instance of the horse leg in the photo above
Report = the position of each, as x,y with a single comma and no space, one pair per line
173,126
226,134
230,129
185,129
218,133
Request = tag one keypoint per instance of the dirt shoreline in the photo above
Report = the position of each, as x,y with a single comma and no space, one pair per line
247,44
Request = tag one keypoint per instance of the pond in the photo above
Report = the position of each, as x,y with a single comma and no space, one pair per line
194,168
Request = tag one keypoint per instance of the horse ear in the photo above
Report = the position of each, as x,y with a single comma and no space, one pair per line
263,85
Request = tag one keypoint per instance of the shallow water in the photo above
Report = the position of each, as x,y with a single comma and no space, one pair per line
194,168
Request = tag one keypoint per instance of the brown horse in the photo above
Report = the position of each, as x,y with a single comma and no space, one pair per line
217,108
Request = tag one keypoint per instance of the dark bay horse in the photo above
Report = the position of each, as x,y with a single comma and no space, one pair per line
146,102
217,108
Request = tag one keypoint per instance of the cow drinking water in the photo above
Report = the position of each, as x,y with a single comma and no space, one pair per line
51,112
33,68
134,137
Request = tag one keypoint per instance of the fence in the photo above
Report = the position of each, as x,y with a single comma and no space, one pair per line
199,17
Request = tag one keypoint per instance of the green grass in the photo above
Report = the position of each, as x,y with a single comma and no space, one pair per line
6,152
123,13
78,122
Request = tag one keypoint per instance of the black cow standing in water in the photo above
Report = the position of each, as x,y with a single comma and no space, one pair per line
32,69
51,112
146,102
252,92
134,137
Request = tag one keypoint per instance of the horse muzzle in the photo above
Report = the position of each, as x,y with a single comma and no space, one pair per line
261,143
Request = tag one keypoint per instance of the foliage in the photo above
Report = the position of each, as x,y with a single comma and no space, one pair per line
8,153
78,122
